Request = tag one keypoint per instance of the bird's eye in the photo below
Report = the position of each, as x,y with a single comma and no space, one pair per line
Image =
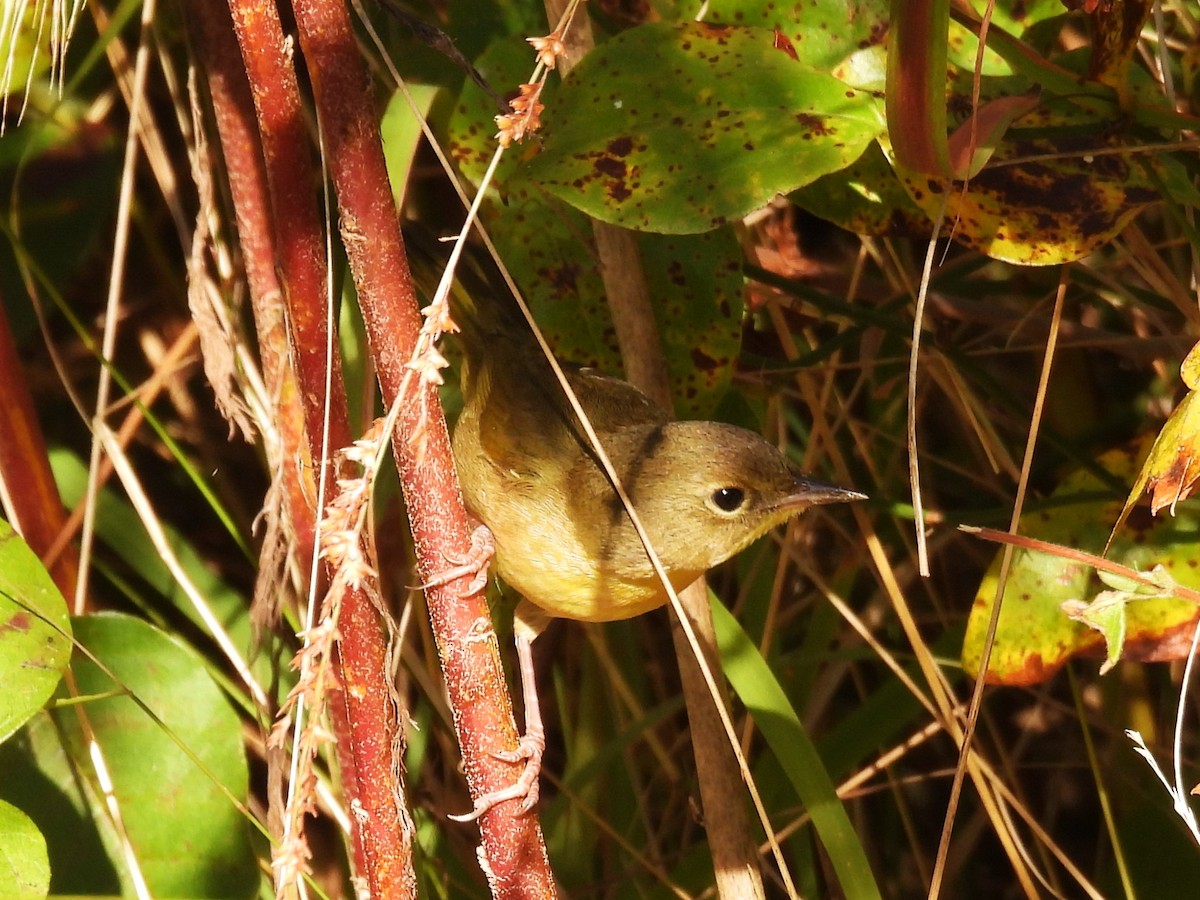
728,499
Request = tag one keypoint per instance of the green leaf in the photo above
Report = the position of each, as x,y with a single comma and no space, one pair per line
1105,615
866,198
1016,17
40,776
758,689
122,531
35,633
1035,637
24,865
682,128
172,755
401,133
695,281
830,35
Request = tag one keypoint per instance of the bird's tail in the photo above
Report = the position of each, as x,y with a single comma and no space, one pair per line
481,304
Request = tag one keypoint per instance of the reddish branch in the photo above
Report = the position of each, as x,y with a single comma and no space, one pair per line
514,851
36,508
365,717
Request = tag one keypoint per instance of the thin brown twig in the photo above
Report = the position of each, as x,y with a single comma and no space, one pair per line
965,748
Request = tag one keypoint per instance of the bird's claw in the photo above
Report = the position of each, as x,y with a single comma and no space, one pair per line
530,748
474,562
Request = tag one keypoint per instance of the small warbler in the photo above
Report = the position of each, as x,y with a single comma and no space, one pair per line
560,534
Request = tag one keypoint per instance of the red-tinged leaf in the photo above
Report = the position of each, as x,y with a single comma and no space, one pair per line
1035,637
1172,466
974,142
1178,482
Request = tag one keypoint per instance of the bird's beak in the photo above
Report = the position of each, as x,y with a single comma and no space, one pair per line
811,493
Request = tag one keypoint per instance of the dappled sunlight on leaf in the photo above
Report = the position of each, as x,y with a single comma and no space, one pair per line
1074,198
682,128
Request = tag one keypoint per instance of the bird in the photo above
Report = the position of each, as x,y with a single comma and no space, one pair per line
553,525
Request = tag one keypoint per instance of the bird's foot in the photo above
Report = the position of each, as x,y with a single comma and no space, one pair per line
530,748
474,562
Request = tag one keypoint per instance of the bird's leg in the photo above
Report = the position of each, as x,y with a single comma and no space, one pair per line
532,744
474,562
530,747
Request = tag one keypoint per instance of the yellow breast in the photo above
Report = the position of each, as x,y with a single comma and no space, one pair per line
540,553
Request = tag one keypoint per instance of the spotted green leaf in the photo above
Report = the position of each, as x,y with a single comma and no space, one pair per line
695,281
831,35
35,634
682,128
24,867
1052,193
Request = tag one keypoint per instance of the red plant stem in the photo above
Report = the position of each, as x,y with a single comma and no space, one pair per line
513,848
1088,559
34,504
233,111
366,718
916,85
293,181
